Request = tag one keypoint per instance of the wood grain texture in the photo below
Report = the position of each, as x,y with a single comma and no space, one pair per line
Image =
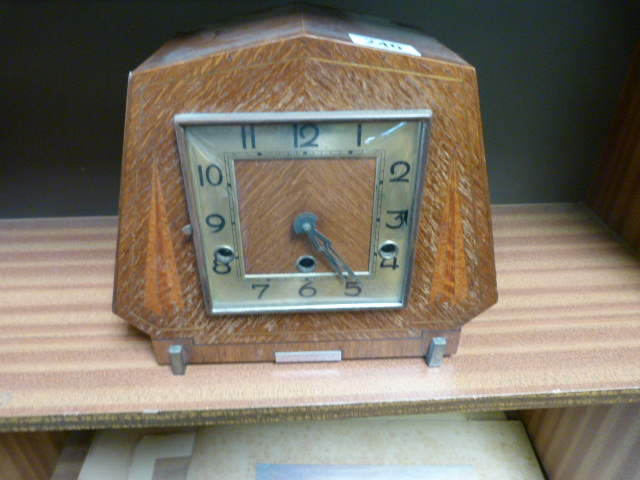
565,332
305,61
587,442
73,455
272,194
615,191
29,456
450,282
162,285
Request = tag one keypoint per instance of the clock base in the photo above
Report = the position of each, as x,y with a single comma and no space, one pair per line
432,345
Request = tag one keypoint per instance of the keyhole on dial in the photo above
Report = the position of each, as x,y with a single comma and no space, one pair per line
388,250
306,264
224,254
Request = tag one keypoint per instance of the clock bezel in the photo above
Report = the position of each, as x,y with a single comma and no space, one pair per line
182,120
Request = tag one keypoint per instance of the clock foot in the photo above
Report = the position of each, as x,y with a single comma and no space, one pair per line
436,352
177,357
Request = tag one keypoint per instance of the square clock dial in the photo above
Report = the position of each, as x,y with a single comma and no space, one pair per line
304,211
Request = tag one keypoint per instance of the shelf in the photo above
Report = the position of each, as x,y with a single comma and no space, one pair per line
566,331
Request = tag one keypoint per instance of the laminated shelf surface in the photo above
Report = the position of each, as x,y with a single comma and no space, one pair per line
566,331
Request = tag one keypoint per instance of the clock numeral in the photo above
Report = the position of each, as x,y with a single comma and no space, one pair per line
215,222
262,286
248,141
352,289
403,168
359,136
221,268
307,290
306,133
207,176
392,265
401,218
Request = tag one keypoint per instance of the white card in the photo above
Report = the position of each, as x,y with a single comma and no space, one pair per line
381,44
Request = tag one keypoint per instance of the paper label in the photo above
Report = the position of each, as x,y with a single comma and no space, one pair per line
384,45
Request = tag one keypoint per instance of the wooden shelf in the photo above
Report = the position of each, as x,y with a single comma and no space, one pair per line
566,331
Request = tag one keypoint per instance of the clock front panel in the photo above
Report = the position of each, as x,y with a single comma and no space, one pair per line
249,177
271,194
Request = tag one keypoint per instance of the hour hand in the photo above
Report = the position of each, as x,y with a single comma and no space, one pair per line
306,223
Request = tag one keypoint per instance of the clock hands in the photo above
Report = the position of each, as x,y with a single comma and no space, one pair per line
306,223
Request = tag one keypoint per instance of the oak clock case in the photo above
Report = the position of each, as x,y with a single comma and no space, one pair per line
280,106
262,189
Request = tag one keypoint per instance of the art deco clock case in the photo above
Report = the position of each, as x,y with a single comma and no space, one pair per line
303,186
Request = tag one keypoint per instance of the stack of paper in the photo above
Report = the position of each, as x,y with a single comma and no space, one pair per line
429,447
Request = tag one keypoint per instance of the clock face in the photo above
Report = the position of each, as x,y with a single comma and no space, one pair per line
304,211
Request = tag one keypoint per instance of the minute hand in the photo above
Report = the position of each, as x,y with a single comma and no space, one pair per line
306,223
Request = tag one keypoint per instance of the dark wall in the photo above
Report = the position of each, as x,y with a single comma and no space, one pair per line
550,73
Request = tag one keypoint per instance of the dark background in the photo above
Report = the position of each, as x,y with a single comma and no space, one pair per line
550,73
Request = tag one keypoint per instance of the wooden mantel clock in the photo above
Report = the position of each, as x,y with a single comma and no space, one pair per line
303,186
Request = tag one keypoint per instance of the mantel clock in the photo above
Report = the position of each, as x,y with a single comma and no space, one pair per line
303,186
